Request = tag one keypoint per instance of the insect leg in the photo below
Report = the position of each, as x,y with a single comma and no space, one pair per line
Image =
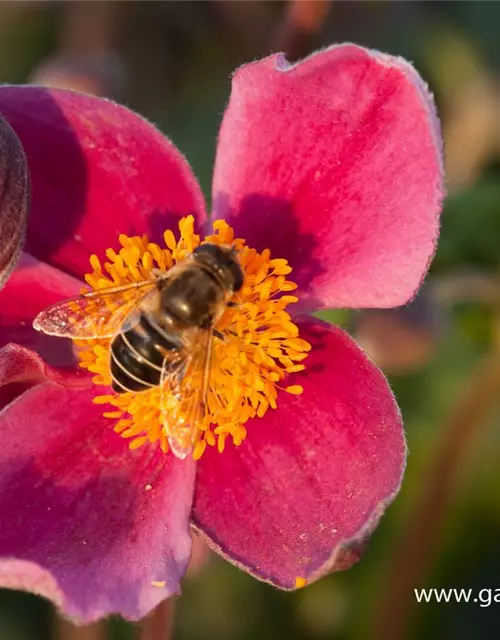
206,377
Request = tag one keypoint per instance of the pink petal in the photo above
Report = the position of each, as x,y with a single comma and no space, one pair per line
335,163
21,369
14,192
96,528
98,170
299,497
33,286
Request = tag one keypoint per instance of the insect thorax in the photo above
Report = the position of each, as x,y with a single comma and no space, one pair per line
191,298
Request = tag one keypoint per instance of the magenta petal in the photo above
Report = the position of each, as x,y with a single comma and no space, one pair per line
336,164
98,170
14,193
299,497
33,286
21,369
86,522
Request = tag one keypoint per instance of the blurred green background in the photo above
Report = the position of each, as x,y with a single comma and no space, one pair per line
172,62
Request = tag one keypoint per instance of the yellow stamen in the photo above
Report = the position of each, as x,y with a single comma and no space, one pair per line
261,345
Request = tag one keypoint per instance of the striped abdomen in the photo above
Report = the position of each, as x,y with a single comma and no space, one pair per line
137,357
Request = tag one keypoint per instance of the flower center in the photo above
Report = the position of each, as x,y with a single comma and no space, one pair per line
255,347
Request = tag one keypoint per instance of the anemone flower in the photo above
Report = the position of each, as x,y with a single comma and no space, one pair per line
327,181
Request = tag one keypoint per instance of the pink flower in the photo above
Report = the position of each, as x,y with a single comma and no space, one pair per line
333,164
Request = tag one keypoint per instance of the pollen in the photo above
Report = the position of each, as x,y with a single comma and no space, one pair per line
300,582
256,347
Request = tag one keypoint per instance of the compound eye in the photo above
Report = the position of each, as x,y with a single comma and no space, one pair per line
208,249
224,261
237,274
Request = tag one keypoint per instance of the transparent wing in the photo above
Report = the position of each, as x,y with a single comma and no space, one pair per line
96,314
184,387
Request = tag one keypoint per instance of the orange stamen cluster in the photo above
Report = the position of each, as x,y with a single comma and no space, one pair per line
260,349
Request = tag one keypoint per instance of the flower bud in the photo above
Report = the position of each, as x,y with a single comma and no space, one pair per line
14,199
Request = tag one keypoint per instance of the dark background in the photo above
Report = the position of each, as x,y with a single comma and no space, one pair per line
172,62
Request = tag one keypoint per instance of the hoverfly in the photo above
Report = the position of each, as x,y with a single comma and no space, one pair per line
161,332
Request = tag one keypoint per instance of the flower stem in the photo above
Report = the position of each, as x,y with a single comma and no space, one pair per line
419,542
66,631
302,21
159,624
88,28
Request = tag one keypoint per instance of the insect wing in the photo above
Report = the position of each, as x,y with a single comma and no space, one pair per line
96,314
184,387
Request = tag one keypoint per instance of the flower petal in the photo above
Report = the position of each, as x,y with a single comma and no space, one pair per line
299,497
334,163
21,369
98,170
96,527
33,286
14,193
